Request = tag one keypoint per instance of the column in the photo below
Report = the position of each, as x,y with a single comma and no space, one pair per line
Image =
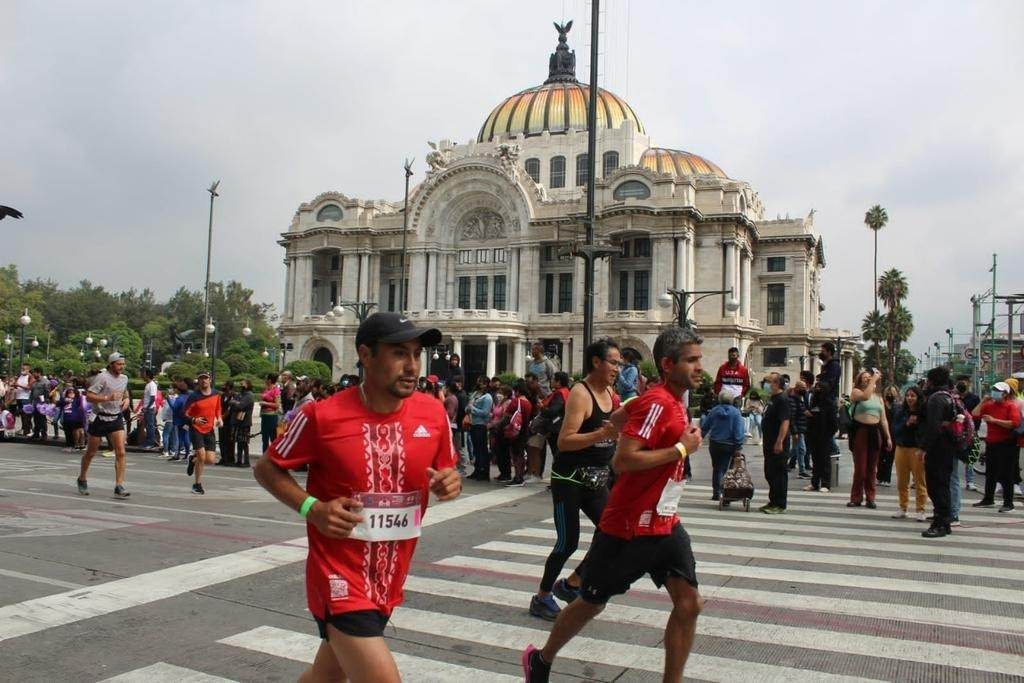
730,267
289,287
449,282
579,268
847,374
567,351
602,286
519,357
304,285
745,287
417,281
529,280
492,349
457,347
661,269
431,302
364,277
424,362
512,293
679,281
350,277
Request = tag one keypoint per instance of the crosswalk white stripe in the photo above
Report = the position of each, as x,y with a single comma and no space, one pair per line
958,540
10,573
806,603
930,587
716,535
162,672
610,653
301,647
734,629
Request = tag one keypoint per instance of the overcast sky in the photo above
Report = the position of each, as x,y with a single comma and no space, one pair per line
115,117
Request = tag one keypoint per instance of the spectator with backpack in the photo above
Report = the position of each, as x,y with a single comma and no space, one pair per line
517,416
1002,415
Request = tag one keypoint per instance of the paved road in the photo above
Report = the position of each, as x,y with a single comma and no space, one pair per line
176,587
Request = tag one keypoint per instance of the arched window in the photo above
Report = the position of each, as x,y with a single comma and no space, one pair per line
557,172
632,188
331,212
611,162
533,169
582,170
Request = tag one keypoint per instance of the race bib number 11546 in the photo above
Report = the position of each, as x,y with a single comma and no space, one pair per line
389,516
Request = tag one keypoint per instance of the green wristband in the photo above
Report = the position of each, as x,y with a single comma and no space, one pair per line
307,505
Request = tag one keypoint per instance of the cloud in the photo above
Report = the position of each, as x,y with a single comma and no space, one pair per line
118,115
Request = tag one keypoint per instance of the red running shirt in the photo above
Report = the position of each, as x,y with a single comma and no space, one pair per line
656,419
350,449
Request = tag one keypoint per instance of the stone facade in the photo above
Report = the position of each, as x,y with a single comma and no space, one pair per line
490,233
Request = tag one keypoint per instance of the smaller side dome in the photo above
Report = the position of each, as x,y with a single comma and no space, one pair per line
678,163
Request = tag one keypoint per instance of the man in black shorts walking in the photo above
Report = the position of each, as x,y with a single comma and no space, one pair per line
639,532
109,394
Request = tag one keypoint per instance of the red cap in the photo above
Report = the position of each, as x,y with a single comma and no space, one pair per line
432,379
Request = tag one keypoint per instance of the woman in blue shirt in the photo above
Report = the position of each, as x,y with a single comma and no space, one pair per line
725,429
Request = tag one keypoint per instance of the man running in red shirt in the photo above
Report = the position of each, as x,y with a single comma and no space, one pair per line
732,376
374,453
202,414
639,532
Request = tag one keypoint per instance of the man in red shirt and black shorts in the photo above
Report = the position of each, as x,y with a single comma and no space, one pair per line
374,453
639,532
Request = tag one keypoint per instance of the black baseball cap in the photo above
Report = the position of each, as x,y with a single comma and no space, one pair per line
393,328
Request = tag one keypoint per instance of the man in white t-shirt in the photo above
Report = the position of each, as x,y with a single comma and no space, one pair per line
149,395
109,395
22,389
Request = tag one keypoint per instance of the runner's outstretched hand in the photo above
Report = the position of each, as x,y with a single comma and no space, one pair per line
446,484
335,518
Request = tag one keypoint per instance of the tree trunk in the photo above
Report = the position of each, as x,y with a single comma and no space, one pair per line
892,349
875,281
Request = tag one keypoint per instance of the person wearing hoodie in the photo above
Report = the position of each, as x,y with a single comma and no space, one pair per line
726,430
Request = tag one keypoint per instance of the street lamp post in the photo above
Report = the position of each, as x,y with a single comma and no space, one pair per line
681,299
209,244
402,294
24,321
8,342
362,310
212,329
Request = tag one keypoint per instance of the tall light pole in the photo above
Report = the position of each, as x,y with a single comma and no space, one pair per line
8,342
402,294
209,244
588,260
212,329
24,321
681,299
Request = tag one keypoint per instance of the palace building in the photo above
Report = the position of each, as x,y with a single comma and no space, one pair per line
492,227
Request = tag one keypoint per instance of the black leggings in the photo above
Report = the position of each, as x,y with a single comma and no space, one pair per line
569,500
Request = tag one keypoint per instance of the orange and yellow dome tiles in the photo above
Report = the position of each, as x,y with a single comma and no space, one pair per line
678,163
555,107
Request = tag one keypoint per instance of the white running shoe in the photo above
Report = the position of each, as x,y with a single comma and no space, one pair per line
922,516
823,489
900,514
530,479
971,486
955,522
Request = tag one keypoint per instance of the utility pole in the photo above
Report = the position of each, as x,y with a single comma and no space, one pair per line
405,236
588,278
995,356
209,244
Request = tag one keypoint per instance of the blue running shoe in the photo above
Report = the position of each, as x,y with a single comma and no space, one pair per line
564,592
546,608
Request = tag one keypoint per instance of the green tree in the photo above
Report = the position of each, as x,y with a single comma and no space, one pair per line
310,368
893,289
876,218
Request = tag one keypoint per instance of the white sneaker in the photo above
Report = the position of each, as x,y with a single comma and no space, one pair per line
971,486
922,516
900,514
955,522
530,479
1020,490
823,489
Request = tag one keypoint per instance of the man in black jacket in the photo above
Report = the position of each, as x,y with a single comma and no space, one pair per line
940,453
800,405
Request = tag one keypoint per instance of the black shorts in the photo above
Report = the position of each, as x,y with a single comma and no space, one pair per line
613,563
364,623
100,427
207,441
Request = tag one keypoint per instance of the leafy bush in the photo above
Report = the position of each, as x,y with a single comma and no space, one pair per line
648,369
508,378
181,369
310,368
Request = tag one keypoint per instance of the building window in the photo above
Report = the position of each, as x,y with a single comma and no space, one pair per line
393,259
632,188
565,292
481,291
557,172
551,253
642,247
624,290
499,292
776,264
625,248
533,169
465,255
335,261
611,163
500,256
549,293
582,170
641,290
464,292
331,212
777,304
775,358
392,294
334,293
483,255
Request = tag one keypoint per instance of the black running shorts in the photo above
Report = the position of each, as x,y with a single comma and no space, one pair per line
365,623
207,441
614,563
100,428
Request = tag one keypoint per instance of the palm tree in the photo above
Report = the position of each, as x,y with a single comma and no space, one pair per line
876,218
901,326
893,289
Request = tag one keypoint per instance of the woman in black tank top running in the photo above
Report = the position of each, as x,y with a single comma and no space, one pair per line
579,475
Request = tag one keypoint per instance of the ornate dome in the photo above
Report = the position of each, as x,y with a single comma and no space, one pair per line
678,163
557,105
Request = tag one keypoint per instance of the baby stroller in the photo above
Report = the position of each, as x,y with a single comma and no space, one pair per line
736,484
